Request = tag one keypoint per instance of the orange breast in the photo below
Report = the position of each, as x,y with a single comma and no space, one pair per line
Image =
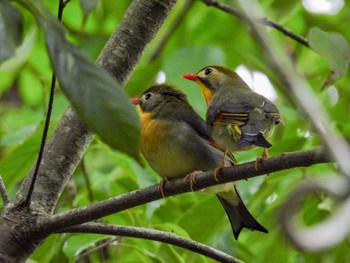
207,93
153,134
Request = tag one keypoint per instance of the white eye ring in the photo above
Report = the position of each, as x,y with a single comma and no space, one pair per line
147,96
208,71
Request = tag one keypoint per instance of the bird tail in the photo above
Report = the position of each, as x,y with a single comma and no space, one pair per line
238,213
248,140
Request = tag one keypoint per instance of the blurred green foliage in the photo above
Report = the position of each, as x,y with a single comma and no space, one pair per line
205,36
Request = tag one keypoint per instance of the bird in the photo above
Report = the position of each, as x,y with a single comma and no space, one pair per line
176,143
238,118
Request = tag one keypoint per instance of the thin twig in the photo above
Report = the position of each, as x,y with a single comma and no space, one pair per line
87,181
263,21
3,192
62,5
285,31
155,235
98,247
43,140
180,17
229,174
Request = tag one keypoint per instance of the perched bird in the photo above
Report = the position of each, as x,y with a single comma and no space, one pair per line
176,143
238,118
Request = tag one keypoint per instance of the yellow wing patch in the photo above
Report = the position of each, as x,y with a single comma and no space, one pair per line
238,119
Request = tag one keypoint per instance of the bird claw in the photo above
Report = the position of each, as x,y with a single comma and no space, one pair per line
161,186
257,162
192,178
222,165
216,173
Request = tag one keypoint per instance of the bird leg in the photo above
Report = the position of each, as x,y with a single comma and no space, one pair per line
161,186
222,165
192,178
259,159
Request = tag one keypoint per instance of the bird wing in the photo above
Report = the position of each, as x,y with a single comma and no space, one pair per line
198,124
223,111
234,108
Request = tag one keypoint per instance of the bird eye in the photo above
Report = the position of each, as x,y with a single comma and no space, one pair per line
147,96
208,71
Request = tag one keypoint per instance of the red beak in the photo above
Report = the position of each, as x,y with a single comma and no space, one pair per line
192,77
135,101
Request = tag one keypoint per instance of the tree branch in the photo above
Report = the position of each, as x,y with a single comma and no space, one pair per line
330,231
87,181
156,235
3,192
99,247
125,201
263,21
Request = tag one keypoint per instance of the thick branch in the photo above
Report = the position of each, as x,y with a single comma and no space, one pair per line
116,204
150,234
263,21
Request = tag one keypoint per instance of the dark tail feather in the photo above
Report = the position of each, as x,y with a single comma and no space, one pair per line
258,140
240,217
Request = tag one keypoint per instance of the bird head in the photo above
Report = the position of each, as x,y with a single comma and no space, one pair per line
157,97
210,79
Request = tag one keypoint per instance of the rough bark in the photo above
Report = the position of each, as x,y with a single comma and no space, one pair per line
122,202
71,137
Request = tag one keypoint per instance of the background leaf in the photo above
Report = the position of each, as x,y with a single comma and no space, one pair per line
10,30
95,95
334,47
76,244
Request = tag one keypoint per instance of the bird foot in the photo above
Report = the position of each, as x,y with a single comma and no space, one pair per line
216,172
222,165
161,186
192,178
261,158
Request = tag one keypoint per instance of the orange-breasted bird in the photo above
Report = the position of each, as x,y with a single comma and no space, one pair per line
176,142
238,118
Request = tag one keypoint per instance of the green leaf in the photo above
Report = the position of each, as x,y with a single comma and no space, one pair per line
10,30
95,95
77,243
205,212
284,9
48,250
16,164
334,47
21,53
